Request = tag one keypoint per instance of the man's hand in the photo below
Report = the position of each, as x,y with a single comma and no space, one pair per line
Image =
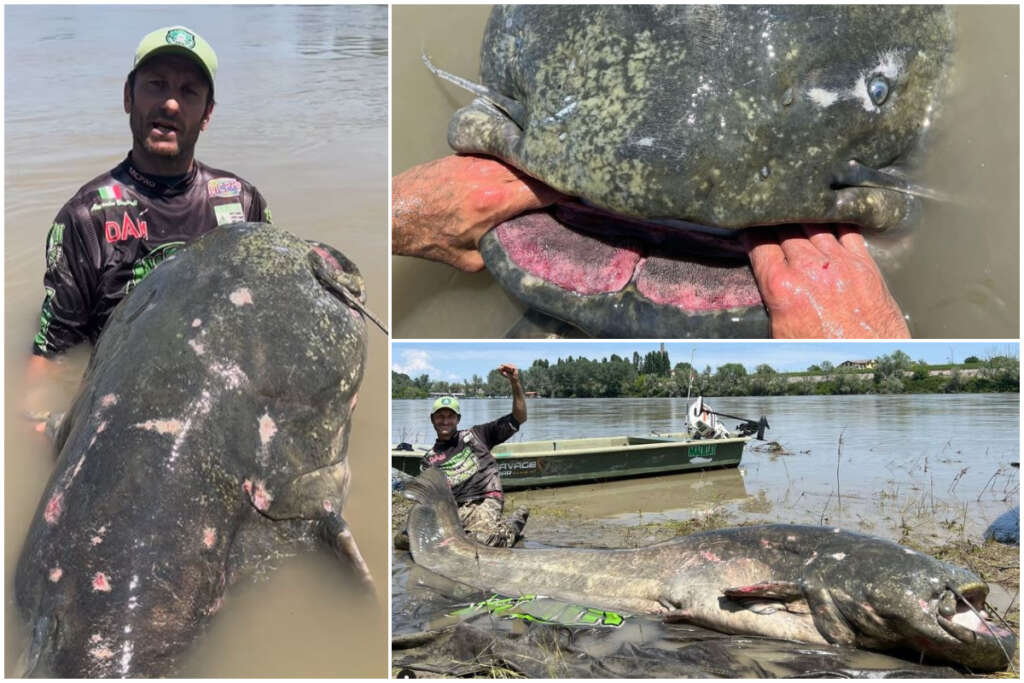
509,372
41,380
817,283
441,209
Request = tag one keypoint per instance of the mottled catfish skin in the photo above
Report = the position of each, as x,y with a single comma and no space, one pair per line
721,116
811,584
208,440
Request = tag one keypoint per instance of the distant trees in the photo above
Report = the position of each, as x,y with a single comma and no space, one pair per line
402,386
652,374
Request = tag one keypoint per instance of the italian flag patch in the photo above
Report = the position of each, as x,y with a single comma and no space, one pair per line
111,192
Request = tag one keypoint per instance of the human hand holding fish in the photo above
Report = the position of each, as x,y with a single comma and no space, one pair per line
817,283
441,209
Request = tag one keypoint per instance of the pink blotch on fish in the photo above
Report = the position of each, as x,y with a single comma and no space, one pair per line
196,346
54,508
260,496
96,540
197,322
172,426
267,429
55,574
95,638
100,583
710,556
101,653
209,537
108,400
328,507
241,296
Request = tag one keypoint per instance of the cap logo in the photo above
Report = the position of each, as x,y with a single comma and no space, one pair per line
446,401
179,36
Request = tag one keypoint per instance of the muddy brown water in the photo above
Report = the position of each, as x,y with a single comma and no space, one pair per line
302,111
955,272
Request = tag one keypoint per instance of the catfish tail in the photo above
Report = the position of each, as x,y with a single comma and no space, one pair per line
434,521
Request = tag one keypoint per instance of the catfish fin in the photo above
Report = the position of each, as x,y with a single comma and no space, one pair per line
318,496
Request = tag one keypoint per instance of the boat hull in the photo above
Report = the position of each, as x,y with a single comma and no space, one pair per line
569,461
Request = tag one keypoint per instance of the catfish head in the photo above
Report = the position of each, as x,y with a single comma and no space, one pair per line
885,598
674,128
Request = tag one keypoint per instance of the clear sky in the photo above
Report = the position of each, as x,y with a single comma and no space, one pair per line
450,361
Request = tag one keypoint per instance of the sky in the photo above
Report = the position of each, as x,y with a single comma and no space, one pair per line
456,361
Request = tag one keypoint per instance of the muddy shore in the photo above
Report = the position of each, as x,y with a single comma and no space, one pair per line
555,521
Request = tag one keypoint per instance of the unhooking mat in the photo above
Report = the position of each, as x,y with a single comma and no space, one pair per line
442,628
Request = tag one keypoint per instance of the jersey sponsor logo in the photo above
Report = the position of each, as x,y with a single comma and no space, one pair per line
99,206
224,187
127,229
229,213
145,265
460,467
140,178
109,192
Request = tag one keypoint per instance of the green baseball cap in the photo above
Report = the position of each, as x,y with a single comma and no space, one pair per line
449,402
178,40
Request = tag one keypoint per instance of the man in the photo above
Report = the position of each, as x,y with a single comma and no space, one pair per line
815,283
465,458
120,225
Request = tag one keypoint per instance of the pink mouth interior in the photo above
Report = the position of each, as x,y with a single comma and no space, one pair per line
584,264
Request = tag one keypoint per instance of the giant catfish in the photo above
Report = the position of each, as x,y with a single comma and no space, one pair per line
812,584
677,126
208,439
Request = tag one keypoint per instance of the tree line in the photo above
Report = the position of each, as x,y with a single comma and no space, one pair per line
652,375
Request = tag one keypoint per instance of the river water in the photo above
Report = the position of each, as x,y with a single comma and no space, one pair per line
955,272
914,459
302,113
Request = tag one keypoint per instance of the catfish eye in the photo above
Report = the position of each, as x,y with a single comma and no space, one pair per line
947,604
878,89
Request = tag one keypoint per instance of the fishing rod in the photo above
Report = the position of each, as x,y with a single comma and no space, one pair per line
747,426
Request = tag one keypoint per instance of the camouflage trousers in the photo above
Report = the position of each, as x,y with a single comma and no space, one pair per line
483,522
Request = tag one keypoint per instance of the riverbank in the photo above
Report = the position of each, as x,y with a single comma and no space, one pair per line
557,518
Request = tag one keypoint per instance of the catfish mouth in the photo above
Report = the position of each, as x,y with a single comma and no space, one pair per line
968,621
585,250
581,250
613,275
978,643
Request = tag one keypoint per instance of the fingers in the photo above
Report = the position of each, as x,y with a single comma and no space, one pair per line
762,250
800,251
822,238
468,261
850,238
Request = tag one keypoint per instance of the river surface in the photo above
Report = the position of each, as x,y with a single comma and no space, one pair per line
302,113
886,460
955,271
